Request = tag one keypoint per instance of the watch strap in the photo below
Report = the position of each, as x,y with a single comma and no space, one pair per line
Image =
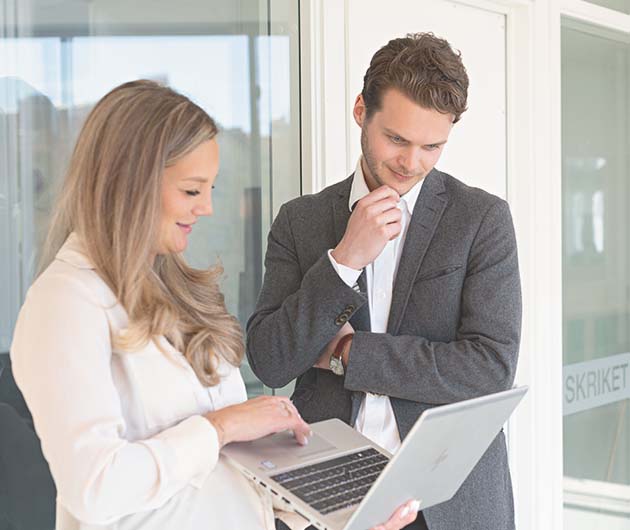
341,346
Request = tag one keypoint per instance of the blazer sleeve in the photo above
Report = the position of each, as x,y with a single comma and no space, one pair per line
61,357
483,357
298,312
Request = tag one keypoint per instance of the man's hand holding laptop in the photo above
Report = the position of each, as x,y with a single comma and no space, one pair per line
404,515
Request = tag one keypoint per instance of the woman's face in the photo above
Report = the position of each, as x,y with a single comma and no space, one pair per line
187,195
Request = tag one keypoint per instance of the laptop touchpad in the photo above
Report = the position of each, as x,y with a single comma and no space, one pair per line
316,445
282,450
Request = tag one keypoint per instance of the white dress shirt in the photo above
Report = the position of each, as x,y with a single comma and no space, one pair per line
376,418
123,433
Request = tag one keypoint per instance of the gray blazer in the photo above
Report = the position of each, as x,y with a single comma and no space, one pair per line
453,331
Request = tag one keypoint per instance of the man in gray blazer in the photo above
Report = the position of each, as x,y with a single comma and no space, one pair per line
397,289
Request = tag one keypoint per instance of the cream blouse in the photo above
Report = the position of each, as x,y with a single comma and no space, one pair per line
123,433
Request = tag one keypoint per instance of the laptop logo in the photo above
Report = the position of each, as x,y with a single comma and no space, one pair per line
268,464
440,459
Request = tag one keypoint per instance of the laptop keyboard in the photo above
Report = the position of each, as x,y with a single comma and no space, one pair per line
335,484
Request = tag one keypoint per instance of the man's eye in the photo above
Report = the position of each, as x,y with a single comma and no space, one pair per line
396,139
433,147
192,193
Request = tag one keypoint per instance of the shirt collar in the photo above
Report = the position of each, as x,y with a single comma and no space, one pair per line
73,252
359,190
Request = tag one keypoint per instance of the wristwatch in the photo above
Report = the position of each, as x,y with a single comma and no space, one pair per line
336,359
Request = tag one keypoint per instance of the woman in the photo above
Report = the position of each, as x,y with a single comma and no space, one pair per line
126,356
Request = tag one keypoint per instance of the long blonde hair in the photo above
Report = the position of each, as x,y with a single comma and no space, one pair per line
111,197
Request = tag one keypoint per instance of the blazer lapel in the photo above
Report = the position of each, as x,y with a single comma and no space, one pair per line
360,320
426,215
341,211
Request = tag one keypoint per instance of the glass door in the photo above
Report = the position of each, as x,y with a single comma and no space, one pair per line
596,276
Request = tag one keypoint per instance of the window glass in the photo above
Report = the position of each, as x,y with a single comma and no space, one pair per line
596,277
237,59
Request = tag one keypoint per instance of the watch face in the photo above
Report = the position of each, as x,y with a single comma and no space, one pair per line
336,365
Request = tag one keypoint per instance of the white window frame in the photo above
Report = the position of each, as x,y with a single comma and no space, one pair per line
590,494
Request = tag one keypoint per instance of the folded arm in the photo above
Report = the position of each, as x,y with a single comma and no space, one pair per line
482,358
297,311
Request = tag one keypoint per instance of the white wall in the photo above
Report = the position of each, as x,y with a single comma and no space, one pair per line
476,151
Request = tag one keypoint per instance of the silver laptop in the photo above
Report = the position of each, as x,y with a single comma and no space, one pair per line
342,480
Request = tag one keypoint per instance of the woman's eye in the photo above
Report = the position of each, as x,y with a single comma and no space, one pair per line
192,193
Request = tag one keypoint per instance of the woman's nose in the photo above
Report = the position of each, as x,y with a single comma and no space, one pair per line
203,208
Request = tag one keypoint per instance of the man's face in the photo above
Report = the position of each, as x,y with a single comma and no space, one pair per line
401,142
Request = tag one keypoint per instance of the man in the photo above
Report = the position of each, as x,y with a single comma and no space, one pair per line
397,289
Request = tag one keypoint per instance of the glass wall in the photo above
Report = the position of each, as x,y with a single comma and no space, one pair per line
596,276
617,5
236,59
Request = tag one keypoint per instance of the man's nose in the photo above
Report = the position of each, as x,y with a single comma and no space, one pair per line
410,160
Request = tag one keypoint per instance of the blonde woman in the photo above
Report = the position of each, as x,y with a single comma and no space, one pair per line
126,356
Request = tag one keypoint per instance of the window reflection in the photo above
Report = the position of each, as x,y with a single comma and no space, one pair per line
584,211
597,204
587,223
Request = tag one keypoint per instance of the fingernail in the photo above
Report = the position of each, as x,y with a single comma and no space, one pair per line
415,505
405,512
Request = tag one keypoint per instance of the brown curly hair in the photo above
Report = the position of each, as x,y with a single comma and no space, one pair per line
423,67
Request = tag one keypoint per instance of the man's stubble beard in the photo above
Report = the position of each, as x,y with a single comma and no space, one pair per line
369,161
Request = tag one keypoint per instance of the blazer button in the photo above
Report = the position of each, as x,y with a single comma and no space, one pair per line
341,319
349,308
